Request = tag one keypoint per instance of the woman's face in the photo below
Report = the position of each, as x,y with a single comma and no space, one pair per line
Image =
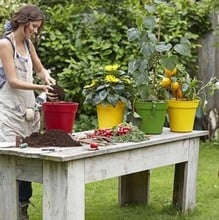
32,28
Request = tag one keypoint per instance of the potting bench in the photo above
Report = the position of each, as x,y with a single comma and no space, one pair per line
65,171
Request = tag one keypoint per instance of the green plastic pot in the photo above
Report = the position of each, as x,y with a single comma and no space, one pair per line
152,116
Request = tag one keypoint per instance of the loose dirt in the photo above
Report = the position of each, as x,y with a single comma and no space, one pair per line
51,138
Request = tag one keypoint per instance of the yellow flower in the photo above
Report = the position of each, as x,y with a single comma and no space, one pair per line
90,85
111,78
128,81
111,67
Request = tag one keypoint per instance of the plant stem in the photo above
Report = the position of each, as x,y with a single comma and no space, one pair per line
159,28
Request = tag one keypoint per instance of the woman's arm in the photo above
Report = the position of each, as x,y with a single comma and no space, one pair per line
41,72
6,54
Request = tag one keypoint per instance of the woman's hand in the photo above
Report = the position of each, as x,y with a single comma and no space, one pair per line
49,80
45,88
50,95
45,76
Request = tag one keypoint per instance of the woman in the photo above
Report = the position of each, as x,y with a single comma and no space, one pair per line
18,113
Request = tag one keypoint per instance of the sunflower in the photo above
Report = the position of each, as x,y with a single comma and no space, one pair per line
111,79
111,68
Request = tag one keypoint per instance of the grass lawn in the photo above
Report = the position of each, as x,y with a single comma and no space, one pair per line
102,199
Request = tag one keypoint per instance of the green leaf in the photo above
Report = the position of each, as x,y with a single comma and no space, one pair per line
149,22
150,8
169,62
143,63
133,66
132,34
134,118
163,47
183,49
147,50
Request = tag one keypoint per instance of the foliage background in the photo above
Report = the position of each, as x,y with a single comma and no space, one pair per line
80,37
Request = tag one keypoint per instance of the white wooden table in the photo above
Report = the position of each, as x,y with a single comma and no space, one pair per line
65,172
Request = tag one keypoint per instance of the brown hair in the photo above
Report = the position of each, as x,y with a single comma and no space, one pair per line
25,14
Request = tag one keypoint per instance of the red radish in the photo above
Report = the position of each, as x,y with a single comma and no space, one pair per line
94,145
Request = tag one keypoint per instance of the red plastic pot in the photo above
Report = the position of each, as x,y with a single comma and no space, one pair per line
60,115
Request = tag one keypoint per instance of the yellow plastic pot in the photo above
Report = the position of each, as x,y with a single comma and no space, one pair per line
181,114
109,116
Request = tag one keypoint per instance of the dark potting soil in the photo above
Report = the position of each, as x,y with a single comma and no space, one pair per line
59,91
51,138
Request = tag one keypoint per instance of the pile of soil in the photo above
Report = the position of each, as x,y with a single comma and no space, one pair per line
59,91
51,138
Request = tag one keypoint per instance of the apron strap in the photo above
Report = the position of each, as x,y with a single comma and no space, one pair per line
26,41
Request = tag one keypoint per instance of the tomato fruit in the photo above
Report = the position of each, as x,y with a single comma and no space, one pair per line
175,86
166,82
170,73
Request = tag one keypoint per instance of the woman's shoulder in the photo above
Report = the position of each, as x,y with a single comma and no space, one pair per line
5,44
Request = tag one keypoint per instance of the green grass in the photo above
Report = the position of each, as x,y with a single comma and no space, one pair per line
102,198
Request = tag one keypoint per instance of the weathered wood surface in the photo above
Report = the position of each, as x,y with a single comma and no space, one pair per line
8,188
74,153
184,192
65,185
65,172
134,188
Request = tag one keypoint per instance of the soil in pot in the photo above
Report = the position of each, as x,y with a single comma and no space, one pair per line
51,138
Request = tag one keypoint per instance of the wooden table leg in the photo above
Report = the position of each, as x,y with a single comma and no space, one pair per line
184,190
8,189
134,188
64,191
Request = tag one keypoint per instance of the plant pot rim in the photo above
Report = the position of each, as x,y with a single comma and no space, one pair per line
158,101
60,103
119,103
183,104
183,100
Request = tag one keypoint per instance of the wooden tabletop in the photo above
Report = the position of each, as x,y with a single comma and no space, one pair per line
74,153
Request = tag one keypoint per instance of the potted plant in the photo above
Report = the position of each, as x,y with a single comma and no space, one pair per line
186,95
110,91
147,70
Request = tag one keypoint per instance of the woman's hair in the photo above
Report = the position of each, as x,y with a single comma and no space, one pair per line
26,14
